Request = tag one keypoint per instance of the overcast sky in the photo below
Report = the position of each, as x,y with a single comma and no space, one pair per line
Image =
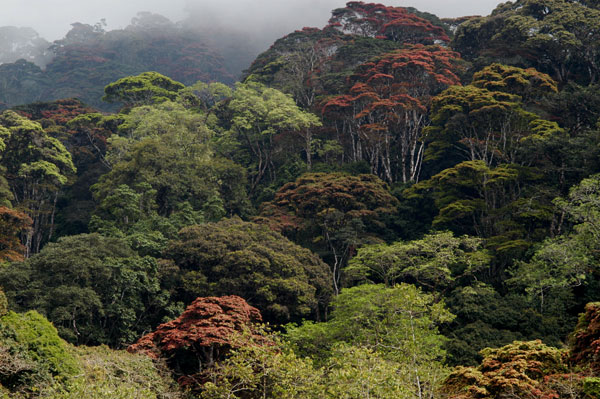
52,18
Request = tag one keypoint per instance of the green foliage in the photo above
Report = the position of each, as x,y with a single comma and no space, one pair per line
116,374
262,370
31,353
144,89
559,263
273,371
164,176
93,288
506,204
557,37
436,262
36,166
488,119
399,323
591,387
3,303
331,214
258,116
40,340
286,282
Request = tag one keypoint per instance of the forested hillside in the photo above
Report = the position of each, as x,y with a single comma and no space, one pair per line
391,206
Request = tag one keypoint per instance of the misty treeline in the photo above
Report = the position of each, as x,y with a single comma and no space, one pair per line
392,206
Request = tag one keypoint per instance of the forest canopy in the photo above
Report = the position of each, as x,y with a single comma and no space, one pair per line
391,206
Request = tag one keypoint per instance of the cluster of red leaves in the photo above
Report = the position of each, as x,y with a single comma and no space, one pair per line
12,224
405,79
521,369
57,112
207,322
392,23
585,347
301,204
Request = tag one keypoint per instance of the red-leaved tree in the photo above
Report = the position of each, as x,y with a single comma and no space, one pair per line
12,224
386,109
383,22
201,336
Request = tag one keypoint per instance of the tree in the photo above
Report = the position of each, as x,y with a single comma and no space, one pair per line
386,108
201,336
262,367
558,264
436,262
336,212
273,371
488,120
286,282
474,199
95,290
584,340
37,166
391,23
164,176
258,116
521,369
556,37
400,323
144,89
13,224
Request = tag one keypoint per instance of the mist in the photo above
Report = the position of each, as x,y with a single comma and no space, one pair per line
266,19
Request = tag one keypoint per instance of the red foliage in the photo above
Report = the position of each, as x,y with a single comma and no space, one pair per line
407,77
388,103
12,224
585,346
57,112
208,323
383,22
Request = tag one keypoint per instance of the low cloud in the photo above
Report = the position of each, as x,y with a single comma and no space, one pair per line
265,18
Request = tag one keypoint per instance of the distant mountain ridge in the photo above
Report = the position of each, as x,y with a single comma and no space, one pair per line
88,58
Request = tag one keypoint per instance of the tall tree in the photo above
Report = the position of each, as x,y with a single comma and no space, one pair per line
489,119
258,116
144,89
387,107
37,166
399,322
331,213
285,281
392,23
436,262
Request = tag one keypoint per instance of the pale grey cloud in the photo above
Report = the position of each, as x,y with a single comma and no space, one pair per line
52,18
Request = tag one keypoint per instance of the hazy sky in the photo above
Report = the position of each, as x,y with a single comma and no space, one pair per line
52,18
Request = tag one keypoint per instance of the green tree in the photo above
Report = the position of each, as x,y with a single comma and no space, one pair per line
557,37
475,199
32,355
165,176
36,167
259,369
558,264
286,282
400,323
436,262
488,125
144,89
273,371
259,115
96,290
